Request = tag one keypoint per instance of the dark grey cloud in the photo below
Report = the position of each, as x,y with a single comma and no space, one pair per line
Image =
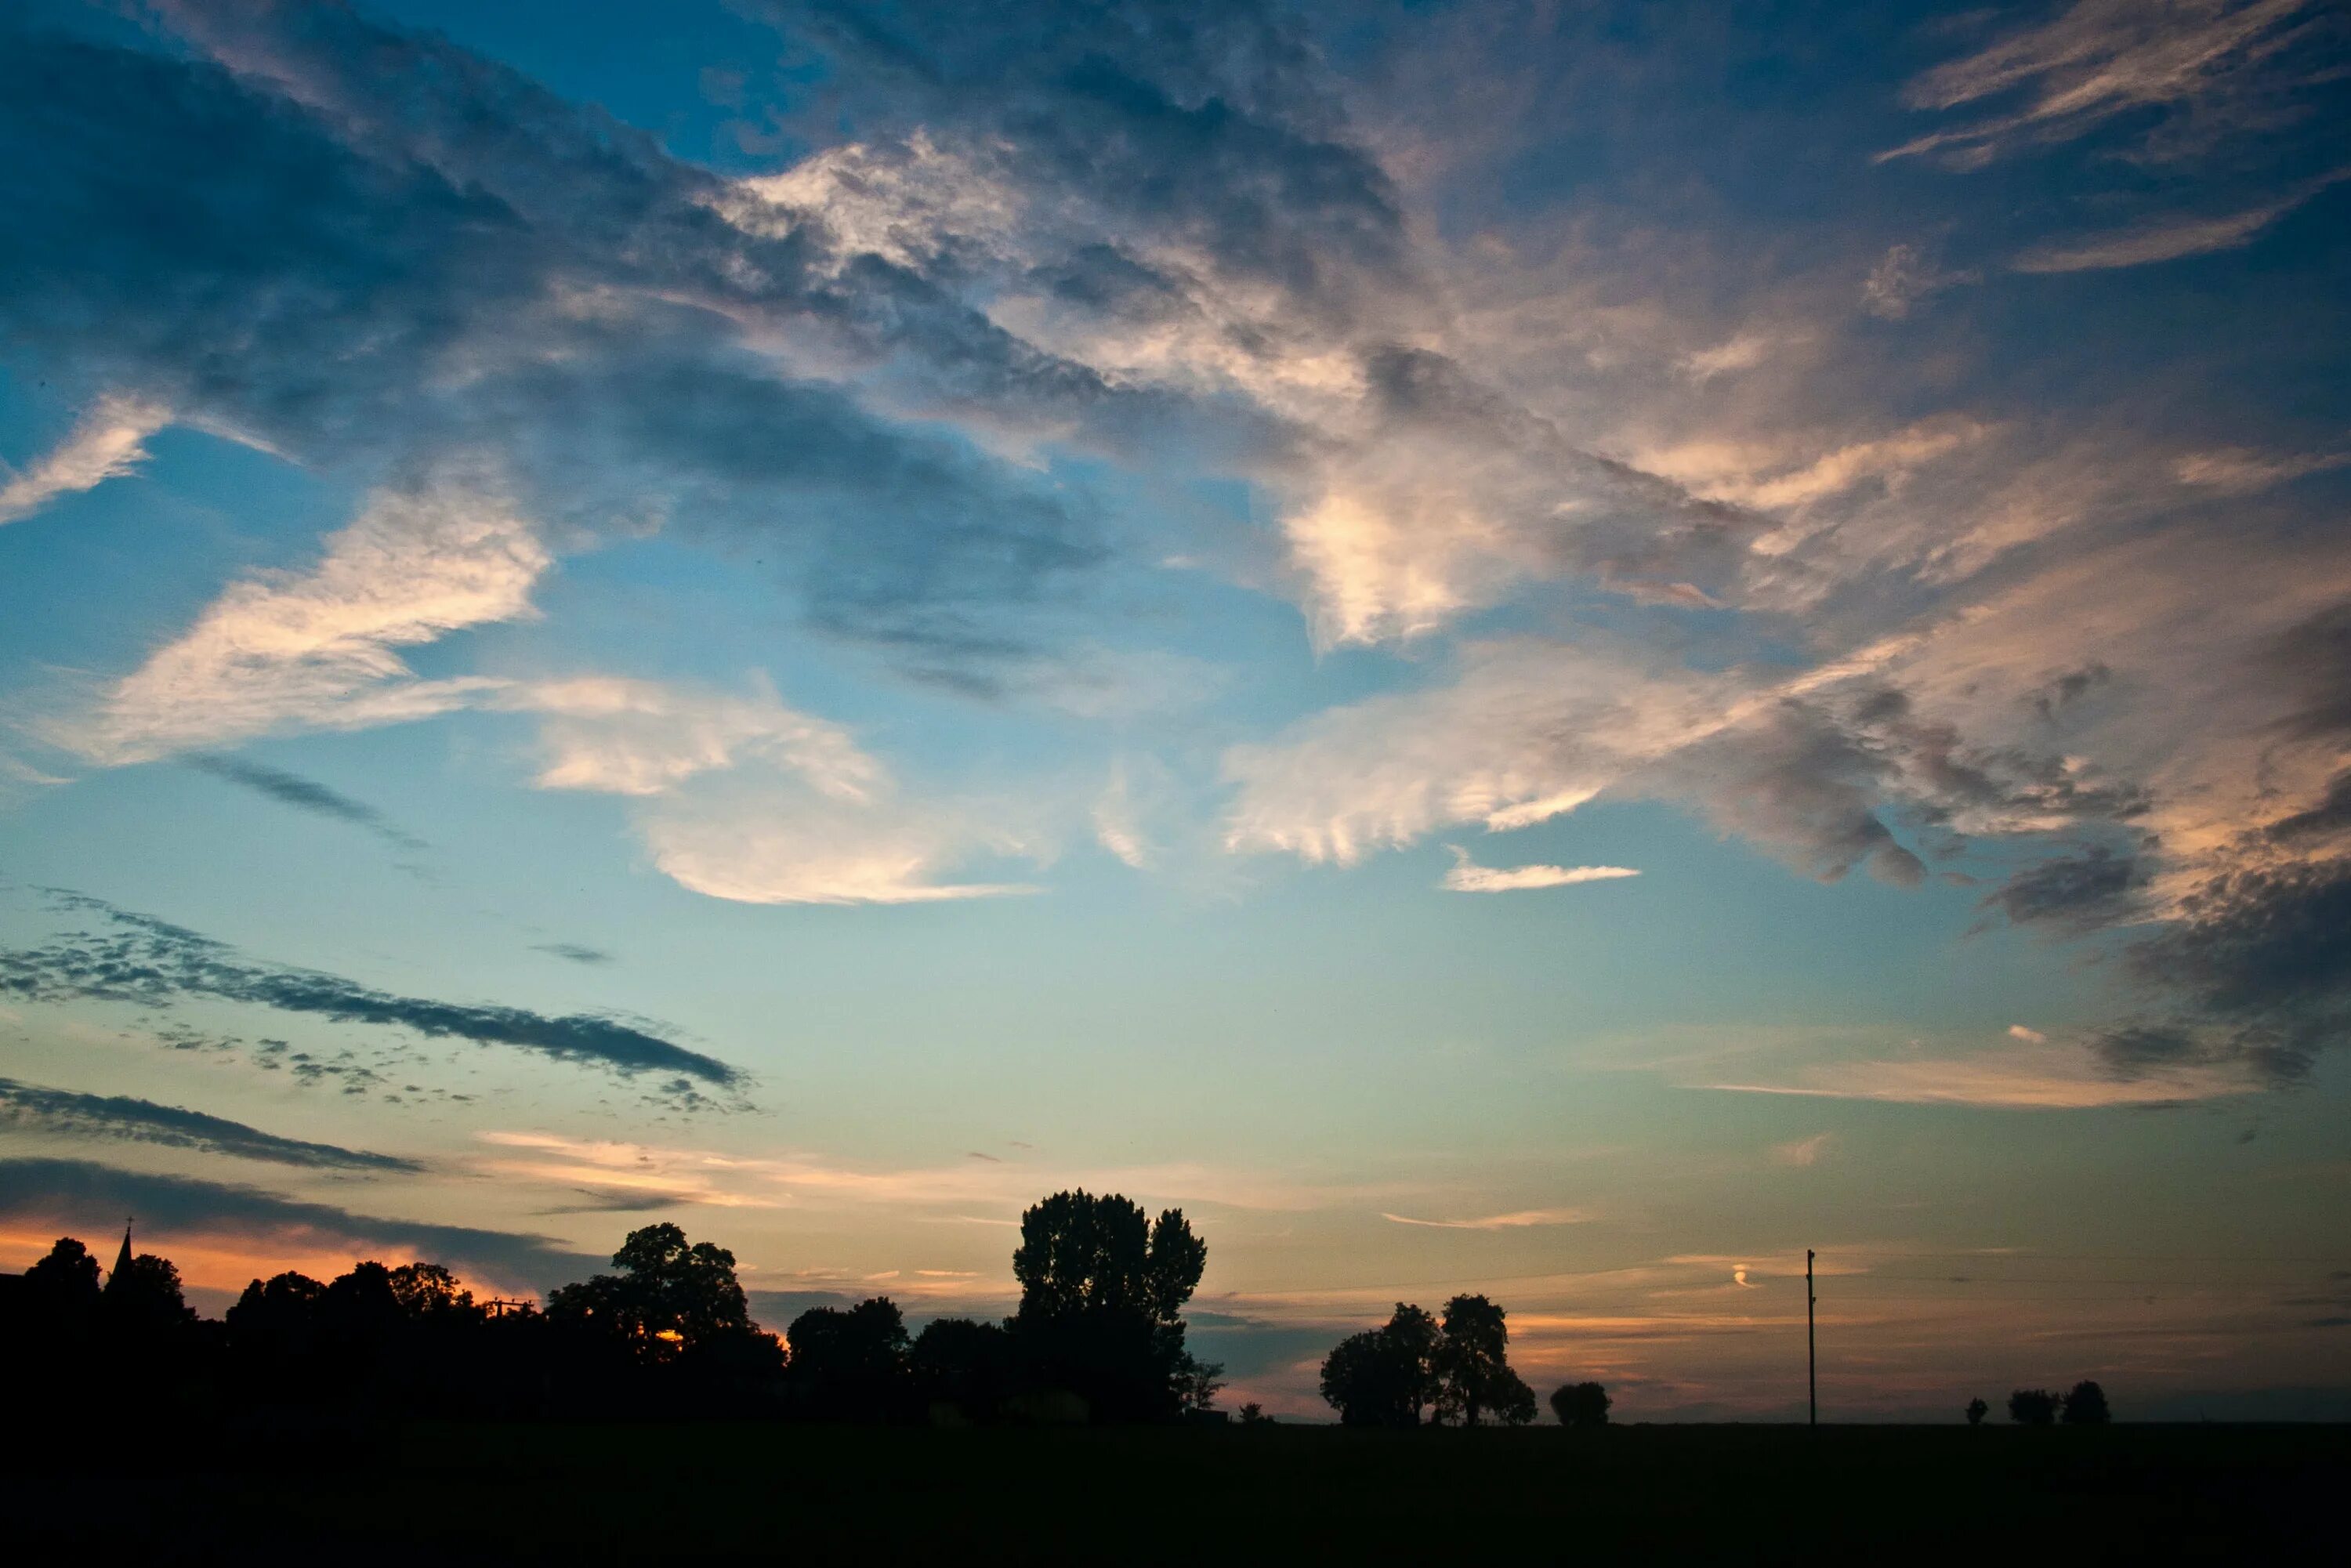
152,962
305,795
2329,818
621,1200
1202,125
2083,893
1801,786
308,246
79,1195
575,952
62,1111
2266,956
2314,659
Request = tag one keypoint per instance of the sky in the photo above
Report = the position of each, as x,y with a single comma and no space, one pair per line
1558,650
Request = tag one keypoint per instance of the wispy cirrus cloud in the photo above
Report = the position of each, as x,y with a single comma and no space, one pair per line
1469,877
2071,1078
67,1114
107,442
2097,59
320,649
2170,239
1518,1219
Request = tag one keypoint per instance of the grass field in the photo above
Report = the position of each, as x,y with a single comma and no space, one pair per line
600,1493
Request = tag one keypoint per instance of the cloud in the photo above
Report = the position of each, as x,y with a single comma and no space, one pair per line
80,1195
317,650
305,795
153,963
783,844
1520,1220
107,442
2086,892
642,737
2029,1036
2075,1078
1466,877
2266,954
1903,277
64,1112
2170,239
1803,1153
2098,59
575,952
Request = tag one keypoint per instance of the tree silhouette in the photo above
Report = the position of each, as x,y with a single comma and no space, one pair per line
964,1364
2033,1408
1101,1299
1977,1411
1384,1376
849,1363
428,1290
2085,1405
1473,1367
145,1297
1580,1404
670,1297
65,1280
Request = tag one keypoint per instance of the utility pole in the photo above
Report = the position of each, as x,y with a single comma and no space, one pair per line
1812,1348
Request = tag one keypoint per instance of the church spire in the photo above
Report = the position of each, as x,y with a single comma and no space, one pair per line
121,1258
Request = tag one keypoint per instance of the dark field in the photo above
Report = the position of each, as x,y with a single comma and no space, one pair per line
423,1494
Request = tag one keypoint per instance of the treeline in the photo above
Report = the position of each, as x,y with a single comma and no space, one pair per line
1450,1369
1099,1335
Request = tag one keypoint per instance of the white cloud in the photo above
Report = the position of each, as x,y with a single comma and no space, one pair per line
1467,877
1742,351
644,737
776,844
1518,1220
108,441
1803,1153
1530,727
1904,276
318,649
2029,1036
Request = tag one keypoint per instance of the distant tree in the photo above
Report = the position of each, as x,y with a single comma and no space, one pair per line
66,1277
964,1363
1384,1376
1101,1302
1580,1404
2033,1408
426,1290
1252,1414
1512,1403
849,1363
1977,1411
670,1297
145,1297
2085,1405
1473,1366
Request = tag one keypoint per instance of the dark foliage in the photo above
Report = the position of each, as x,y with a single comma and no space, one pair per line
1387,1377
2085,1405
2033,1408
849,1363
1977,1411
1474,1379
1101,1299
1580,1404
